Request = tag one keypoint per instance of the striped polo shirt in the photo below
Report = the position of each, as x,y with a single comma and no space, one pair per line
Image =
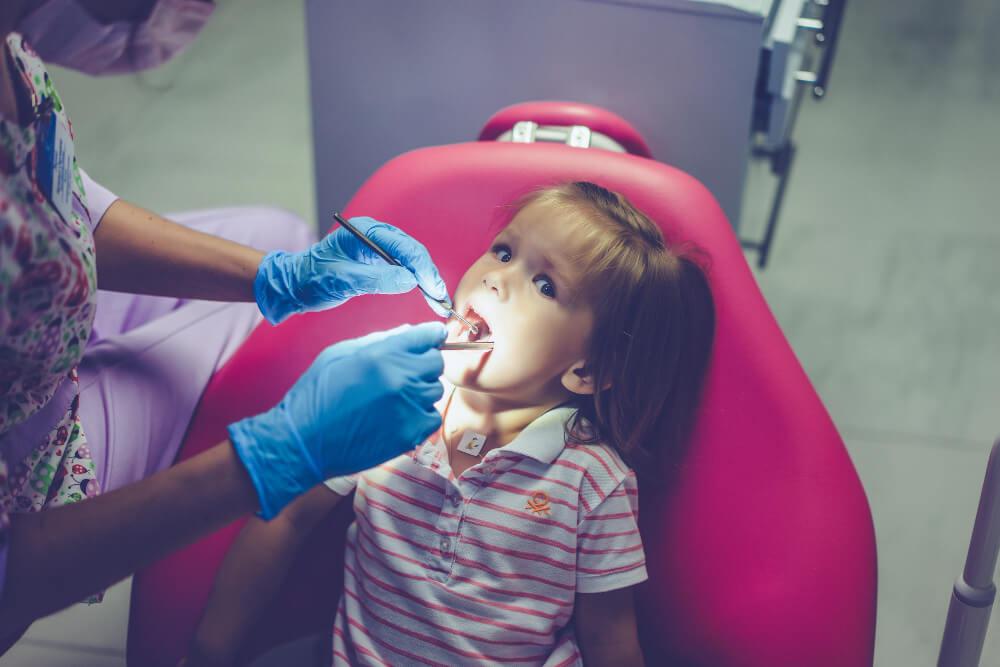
484,567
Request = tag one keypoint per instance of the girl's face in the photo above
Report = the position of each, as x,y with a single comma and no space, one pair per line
522,295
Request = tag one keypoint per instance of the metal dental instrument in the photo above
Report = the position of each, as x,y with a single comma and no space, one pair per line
471,345
444,303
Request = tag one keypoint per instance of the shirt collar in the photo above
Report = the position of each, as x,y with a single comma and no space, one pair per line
543,439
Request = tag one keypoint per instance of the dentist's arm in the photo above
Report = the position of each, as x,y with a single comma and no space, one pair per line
144,253
113,535
360,403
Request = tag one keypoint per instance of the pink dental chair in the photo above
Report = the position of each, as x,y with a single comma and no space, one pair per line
760,544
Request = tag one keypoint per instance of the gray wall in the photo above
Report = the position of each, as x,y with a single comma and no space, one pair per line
389,76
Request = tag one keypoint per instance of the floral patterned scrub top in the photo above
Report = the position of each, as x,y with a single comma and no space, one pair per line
48,288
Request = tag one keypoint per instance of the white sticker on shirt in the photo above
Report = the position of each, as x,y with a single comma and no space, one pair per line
472,443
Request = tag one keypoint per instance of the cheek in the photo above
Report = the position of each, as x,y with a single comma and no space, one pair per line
535,346
472,277
556,347
542,345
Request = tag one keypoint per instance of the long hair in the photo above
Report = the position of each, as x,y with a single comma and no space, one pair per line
654,323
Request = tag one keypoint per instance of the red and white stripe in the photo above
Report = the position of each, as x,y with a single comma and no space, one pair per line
443,571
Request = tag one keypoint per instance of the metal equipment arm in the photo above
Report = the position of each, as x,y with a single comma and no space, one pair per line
974,592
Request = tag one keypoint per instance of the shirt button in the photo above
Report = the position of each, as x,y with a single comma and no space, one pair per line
445,545
456,500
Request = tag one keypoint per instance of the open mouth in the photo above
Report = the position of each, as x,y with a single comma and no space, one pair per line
483,333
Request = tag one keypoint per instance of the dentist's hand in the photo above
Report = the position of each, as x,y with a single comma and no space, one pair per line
339,267
360,403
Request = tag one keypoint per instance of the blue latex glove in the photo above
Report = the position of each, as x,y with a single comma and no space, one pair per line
339,267
362,402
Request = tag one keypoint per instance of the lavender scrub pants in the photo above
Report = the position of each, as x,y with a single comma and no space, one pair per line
149,358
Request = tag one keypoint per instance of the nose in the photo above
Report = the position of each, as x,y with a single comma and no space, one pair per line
497,282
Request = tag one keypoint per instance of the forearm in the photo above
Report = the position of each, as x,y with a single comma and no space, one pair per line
606,629
109,11
113,535
607,654
143,253
251,577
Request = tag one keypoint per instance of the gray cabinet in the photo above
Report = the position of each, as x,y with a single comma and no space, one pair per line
388,76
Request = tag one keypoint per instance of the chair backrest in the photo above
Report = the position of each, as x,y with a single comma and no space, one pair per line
760,544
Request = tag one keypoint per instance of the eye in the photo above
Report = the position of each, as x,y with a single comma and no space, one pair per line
545,286
502,252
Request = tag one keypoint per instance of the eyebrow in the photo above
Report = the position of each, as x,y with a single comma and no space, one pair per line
553,266
504,233
567,282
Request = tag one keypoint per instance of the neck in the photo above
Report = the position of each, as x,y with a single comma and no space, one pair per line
8,97
500,420
11,13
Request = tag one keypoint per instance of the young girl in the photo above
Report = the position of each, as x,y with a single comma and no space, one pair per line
511,535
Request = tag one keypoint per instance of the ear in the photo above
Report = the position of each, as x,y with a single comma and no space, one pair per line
578,380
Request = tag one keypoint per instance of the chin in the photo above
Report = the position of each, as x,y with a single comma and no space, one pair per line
468,368
464,374
467,376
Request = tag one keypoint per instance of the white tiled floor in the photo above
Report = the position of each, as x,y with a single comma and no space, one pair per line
882,276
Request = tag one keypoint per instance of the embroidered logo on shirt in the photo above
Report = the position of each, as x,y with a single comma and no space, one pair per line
538,503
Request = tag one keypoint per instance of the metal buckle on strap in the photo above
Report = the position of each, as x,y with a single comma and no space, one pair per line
579,136
528,132
524,132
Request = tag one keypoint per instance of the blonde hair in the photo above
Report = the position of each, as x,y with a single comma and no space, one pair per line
654,322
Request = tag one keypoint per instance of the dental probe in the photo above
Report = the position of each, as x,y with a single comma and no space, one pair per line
444,303
470,345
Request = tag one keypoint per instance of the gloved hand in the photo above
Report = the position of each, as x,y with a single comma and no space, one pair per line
339,267
362,402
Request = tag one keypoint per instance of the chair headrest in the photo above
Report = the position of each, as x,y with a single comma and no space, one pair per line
565,114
